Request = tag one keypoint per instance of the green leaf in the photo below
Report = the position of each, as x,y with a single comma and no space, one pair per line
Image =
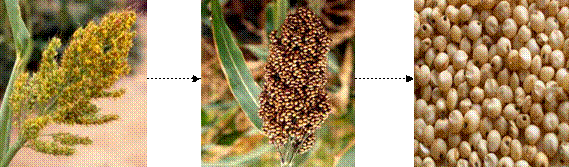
205,118
238,160
20,33
279,13
348,159
241,82
260,51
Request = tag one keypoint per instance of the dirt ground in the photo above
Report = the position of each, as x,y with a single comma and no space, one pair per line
120,143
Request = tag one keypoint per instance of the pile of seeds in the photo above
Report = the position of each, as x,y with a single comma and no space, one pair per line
491,84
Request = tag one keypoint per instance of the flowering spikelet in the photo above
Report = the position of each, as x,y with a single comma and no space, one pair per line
61,90
294,100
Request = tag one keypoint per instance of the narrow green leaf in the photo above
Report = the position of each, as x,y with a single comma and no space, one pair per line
260,51
349,158
241,82
239,160
20,33
205,118
279,12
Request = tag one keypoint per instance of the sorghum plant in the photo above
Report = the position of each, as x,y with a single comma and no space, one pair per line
294,100
60,92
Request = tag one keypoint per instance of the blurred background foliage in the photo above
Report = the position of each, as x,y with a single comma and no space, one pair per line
57,18
227,134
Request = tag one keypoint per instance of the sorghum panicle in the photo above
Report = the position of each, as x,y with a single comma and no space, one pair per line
294,102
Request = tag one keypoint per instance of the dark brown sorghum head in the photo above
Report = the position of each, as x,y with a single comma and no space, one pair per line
294,100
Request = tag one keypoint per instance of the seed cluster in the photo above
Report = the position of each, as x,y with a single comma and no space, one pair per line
294,100
491,83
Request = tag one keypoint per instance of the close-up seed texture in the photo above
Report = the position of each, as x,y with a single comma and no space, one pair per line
491,85
294,102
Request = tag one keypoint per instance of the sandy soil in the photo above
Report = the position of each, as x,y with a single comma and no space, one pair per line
120,143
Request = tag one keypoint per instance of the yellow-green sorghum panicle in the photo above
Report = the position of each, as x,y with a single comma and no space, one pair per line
294,102
60,92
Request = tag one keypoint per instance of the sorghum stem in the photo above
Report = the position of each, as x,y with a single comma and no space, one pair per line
12,152
5,113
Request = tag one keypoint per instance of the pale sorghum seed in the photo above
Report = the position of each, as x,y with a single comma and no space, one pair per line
509,28
535,66
525,58
529,153
563,15
502,10
520,14
456,121
546,73
564,83
516,149
491,26
553,8
452,14
506,162
472,120
537,21
418,5
435,13
533,46
441,62
430,56
526,104
480,54
529,82
441,128
417,47
520,95
426,92
420,108
485,126
493,141
458,78
505,94
474,138
513,130
503,46
441,106
541,160
515,81
542,39
501,124
462,163
438,149
472,74
524,34
491,88
454,140
564,153
503,77
557,59
556,39
474,159
496,63
426,45
424,151
510,112
441,4
536,113
505,145
445,81
418,161
490,160
550,122
430,115
463,90
455,34
486,72
550,25
563,132
465,12
428,162
566,46
451,48
464,105
419,126
465,45
452,99
439,43
429,135
477,95
523,121
423,75
532,134
464,149
522,163
425,31
474,30
460,59
550,144
538,91
442,24
481,148
494,108
452,156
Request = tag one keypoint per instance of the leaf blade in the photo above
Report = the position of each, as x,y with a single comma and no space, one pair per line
241,82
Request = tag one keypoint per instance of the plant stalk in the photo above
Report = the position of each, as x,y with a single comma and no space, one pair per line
12,152
5,113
